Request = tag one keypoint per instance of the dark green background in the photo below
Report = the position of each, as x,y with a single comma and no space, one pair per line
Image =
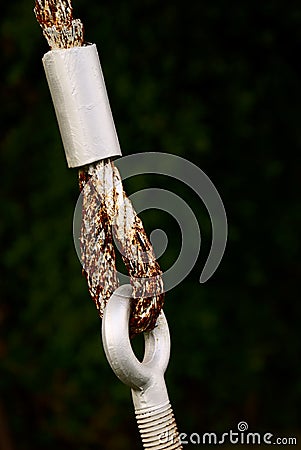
217,82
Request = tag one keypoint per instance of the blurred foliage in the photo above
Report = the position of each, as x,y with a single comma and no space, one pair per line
216,82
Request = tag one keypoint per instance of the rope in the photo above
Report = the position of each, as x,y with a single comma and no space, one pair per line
107,212
59,27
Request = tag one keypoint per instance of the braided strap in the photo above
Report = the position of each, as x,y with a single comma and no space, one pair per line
107,215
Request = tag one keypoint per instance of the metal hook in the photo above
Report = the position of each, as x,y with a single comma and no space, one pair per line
140,376
153,411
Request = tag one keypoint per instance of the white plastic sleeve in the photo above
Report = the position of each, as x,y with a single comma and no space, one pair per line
81,104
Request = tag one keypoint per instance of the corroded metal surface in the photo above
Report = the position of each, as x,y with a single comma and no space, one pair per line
59,27
96,240
108,214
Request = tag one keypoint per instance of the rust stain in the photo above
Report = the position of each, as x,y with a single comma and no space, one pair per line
108,214
59,27
97,250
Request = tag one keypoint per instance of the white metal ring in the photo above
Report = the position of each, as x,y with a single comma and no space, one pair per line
118,349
